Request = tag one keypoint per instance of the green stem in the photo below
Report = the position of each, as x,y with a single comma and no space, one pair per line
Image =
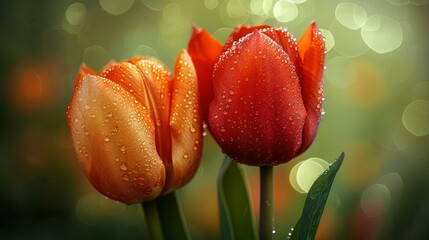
172,218
266,217
153,222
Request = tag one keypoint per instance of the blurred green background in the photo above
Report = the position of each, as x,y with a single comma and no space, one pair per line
377,111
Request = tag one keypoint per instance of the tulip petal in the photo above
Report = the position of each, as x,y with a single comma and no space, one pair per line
157,82
129,77
286,40
150,82
83,70
114,140
185,122
241,31
204,51
257,113
312,51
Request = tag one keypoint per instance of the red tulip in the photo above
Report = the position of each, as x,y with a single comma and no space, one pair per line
262,91
136,128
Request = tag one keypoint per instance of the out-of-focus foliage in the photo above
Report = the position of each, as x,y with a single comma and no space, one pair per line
377,111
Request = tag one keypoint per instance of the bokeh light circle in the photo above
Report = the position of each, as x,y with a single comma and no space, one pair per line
116,7
303,174
211,4
416,117
285,11
350,15
95,56
329,39
375,200
341,72
393,181
76,13
382,34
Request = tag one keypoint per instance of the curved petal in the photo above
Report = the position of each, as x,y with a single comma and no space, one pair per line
286,40
241,31
312,51
156,80
114,140
185,122
83,70
257,113
204,51
150,82
129,77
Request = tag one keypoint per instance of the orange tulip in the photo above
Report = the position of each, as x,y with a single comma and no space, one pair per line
261,92
137,129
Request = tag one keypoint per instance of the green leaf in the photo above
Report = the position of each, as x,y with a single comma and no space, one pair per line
235,212
307,225
171,217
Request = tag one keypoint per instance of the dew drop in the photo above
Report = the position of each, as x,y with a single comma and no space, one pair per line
106,139
117,159
123,166
87,107
123,149
231,92
185,155
192,129
125,177
314,195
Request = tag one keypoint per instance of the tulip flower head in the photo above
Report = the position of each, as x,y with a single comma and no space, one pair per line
137,129
262,91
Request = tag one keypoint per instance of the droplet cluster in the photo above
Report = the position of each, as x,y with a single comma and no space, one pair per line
114,140
257,114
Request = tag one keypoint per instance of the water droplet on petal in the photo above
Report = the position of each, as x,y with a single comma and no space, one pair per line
125,177
123,166
123,149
